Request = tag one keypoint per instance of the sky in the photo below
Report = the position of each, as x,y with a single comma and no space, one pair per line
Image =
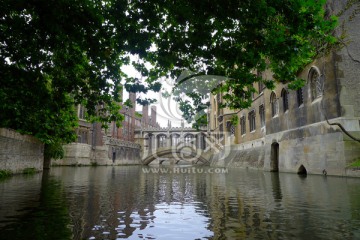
167,108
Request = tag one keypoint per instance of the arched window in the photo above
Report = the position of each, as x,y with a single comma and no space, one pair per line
243,125
285,99
274,104
252,122
316,83
189,139
161,141
175,139
262,115
81,112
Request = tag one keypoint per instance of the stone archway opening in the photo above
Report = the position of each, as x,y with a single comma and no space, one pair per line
274,164
161,141
302,170
174,139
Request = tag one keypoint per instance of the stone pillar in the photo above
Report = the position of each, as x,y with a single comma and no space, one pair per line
168,140
198,141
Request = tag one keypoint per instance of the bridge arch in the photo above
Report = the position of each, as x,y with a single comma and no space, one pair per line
174,150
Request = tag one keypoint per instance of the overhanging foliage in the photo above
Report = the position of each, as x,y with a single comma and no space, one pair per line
58,53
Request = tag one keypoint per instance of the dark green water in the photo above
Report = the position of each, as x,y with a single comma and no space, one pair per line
131,202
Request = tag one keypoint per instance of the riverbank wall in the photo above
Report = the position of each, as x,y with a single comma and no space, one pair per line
315,149
19,152
113,152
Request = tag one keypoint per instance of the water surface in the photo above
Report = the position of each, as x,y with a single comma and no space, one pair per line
135,203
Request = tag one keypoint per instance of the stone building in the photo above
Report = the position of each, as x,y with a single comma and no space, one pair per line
311,130
113,146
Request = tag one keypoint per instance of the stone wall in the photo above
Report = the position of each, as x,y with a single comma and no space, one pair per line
114,152
316,147
301,133
348,57
75,154
18,152
248,155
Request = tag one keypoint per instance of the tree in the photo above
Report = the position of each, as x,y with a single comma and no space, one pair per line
55,54
58,53
231,42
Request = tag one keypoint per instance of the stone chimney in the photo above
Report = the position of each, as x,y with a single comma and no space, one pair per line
145,115
153,116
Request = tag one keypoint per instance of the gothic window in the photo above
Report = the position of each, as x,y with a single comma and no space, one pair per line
82,136
220,118
82,111
316,83
252,123
261,87
243,125
228,126
285,99
188,139
262,115
274,104
161,141
300,97
175,138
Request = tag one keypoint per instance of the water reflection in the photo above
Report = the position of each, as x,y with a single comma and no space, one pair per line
125,202
40,212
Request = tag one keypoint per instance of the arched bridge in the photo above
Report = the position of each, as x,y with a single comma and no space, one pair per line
179,145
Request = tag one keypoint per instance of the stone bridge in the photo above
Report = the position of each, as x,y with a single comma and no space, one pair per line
176,144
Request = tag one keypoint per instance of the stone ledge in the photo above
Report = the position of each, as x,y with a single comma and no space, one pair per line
9,133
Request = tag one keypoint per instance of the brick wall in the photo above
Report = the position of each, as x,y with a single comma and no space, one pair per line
18,151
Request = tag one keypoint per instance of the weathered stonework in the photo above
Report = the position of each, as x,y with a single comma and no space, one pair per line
114,152
320,148
18,152
240,155
75,154
299,136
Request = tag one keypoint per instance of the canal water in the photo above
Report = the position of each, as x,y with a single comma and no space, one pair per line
136,202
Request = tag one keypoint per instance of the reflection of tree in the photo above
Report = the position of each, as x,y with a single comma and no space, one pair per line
50,220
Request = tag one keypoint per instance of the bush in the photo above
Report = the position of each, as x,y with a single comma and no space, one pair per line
5,174
29,171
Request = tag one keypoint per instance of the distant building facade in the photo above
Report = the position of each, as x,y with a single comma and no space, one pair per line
298,131
115,145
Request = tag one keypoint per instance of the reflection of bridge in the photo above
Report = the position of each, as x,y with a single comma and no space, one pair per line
180,145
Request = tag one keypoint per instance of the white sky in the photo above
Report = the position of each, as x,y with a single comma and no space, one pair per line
167,109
